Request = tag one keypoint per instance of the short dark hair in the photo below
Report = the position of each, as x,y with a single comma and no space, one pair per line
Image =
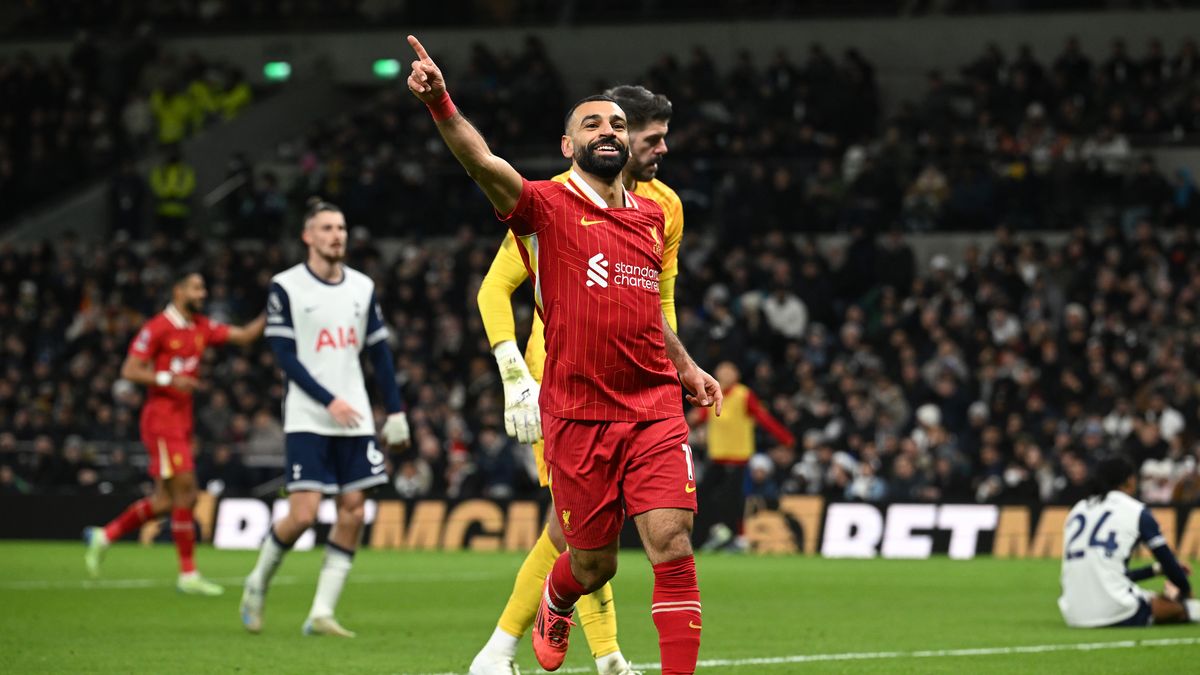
181,274
641,105
315,205
586,99
1109,474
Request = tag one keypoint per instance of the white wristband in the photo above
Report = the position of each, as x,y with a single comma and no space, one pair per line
162,378
507,352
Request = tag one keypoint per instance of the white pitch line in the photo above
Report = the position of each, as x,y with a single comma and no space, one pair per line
921,654
126,584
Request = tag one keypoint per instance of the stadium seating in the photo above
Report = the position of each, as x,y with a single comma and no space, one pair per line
961,375
951,378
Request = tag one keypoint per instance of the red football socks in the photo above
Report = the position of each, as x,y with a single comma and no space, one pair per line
676,613
564,589
130,519
185,539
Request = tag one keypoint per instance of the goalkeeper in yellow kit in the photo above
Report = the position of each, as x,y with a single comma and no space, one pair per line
648,115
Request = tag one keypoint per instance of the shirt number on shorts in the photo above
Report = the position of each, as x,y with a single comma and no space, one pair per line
374,456
687,458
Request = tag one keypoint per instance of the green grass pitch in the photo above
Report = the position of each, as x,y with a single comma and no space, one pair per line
430,612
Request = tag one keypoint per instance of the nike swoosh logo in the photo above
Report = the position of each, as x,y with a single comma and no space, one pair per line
585,222
606,602
689,489
377,469
692,625
309,309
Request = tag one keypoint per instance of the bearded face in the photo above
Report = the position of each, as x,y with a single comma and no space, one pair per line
603,157
195,305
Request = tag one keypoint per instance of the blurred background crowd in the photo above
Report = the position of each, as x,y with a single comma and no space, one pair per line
989,372
997,376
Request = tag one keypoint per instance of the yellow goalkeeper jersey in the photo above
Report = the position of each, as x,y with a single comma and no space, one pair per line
508,272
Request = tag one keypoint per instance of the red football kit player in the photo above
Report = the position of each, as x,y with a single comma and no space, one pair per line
616,439
165,357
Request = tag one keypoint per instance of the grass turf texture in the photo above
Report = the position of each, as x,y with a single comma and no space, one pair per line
429,613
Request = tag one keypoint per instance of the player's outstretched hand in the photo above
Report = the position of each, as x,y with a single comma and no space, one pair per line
395,431
703,390
343,413
425,81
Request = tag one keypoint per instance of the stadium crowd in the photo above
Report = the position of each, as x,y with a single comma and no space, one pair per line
1000,375
957,384
64,120
792,144
49,16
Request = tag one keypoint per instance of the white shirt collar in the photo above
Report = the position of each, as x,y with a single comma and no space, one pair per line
176,317
576,184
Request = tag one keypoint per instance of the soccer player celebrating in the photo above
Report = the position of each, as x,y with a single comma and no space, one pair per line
1101,532
611,413
165,358
648,118
327,414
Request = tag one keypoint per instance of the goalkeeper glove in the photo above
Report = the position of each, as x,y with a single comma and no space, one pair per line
522,417
395,430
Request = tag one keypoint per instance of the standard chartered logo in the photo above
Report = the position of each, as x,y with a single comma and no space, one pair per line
635,276
597,271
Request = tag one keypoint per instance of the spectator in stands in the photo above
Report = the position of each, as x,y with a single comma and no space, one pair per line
173,183
221,472
497,464
731,443
119,476
172,110
127,202
413,479
11,483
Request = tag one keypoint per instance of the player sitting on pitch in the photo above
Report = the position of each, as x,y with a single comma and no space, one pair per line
1098,589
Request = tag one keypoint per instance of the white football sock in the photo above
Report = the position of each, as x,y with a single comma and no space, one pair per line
333,576
1193,610
501,643
611,663
269,558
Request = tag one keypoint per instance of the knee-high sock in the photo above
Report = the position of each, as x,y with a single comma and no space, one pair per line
270,555
522,605
676,613
333,576
184,532
138,514
563,588
598,617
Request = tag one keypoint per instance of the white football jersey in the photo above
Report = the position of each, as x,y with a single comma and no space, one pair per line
1099,537
331,324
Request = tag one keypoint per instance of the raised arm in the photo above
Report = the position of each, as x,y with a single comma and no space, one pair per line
499,181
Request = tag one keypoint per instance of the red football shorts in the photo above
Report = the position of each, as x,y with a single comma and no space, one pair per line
596,465
169,455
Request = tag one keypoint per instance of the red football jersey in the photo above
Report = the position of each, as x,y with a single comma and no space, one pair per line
174,344
595,275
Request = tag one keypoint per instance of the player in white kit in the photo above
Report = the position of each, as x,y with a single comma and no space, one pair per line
1098,588
320,316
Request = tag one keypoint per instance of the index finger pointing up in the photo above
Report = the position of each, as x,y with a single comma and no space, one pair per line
416,45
